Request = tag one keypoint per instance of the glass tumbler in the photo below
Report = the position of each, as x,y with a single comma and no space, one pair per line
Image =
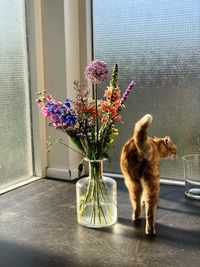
192,175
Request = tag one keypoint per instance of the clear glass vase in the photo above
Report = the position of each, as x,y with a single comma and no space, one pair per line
96,198
192,175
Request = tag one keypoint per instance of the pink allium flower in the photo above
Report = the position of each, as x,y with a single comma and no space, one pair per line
96,72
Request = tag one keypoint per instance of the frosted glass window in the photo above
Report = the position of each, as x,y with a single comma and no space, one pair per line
15,134
157,43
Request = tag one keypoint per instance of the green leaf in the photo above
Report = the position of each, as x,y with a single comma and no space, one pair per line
76,141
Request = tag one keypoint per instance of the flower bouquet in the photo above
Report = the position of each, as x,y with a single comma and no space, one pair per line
91,125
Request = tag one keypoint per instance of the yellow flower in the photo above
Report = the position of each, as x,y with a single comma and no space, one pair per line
115,131
111,141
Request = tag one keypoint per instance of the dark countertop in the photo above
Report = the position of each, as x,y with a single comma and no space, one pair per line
38,228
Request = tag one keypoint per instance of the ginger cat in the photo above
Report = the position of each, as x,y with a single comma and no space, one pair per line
140,166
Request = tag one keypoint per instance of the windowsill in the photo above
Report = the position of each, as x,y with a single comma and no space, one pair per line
162,180
20,184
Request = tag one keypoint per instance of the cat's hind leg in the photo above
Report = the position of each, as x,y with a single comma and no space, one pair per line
135,193
142,200
151,193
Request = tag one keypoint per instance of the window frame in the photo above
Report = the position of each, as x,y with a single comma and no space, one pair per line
36,80
78,28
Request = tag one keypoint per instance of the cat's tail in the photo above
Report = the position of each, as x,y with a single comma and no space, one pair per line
140,135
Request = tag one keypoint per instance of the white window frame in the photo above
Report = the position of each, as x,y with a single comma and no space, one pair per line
36,66
77,24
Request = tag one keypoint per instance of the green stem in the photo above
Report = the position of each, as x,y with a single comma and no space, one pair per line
95,195
102,211
97,123
85,199
61,142
98,203
107,207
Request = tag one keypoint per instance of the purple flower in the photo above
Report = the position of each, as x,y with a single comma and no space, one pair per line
96,72
128,91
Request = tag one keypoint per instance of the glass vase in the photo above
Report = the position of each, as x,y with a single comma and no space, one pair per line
96,198
192,175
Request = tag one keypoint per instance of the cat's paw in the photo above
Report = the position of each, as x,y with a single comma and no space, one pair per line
137,222
150,232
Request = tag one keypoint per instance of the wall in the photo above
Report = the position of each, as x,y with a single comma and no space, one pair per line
64,40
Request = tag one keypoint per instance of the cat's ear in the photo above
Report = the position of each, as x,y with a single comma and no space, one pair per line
167,140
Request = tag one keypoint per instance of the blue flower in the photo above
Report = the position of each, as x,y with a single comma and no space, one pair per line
60,112
51,107
67,102
69,119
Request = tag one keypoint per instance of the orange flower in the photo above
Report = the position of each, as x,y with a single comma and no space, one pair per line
106,107
117,118
108,93
117,104
116,94
112,93
87,109
105,120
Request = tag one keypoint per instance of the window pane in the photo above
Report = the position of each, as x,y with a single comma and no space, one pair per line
156,43
15,135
